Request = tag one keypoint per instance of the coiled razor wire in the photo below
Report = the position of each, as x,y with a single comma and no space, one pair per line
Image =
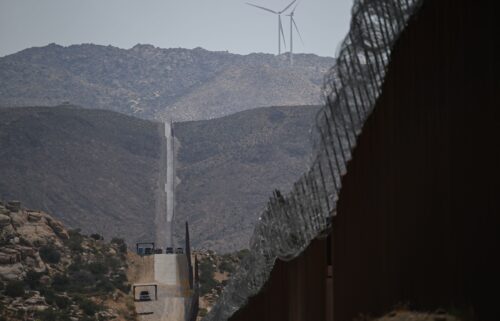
290,222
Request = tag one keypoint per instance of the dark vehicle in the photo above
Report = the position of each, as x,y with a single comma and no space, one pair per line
179,250
144,296
158,251
169,250
148,251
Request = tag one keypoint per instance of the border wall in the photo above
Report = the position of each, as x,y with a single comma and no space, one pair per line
417,220
418,214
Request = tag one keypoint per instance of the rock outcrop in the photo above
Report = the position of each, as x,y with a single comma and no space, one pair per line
50,273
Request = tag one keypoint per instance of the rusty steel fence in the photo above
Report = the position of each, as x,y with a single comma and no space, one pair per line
292,220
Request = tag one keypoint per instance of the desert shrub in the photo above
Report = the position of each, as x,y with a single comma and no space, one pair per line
60,282
81,281
73,267
120,281
227,266
62,302
49,254
14,289
89,307
122,246
112,263
47,315
51,314
97,268
105,285
75,240
97,237
207,282
49,295
32,279
202,312
242,254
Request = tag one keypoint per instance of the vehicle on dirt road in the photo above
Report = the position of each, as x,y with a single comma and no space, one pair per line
144,296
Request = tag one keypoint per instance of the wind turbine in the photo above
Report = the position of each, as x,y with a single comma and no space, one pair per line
280,26
292,25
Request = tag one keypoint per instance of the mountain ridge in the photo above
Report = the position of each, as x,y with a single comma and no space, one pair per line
98,170
160,84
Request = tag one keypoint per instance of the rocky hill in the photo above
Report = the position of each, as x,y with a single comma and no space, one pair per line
50,273
155,83
229,166
92,169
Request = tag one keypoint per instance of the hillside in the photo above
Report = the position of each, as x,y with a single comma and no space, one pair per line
229,166
92,169
98,170
50,273
155,83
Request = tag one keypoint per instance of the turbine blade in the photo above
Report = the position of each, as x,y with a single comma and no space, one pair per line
286,8
256,6
282,33
297,28
293,10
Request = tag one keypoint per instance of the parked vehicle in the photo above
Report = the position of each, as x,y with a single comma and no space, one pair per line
144,296
158,251
169,250
179,250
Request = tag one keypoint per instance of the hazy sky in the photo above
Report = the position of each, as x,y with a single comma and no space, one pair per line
212,24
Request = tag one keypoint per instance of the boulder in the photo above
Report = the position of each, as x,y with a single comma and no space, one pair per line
11,272
4,220
58,228
14,206
18,218
14,240
34,217
26,251
7,232
8,258
37,233
36,300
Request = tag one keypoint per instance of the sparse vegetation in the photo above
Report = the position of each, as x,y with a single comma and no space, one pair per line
122,246
215,272
80,274
32,279
14,289
97,237
50,254
75,240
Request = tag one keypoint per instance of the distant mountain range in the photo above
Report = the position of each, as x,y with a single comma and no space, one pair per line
98,170
159,84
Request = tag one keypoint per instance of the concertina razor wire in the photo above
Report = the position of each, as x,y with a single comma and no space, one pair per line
290,222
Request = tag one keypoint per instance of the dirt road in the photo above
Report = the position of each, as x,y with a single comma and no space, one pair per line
169,272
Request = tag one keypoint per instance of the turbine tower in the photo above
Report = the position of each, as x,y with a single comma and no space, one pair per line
292,25
280,26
